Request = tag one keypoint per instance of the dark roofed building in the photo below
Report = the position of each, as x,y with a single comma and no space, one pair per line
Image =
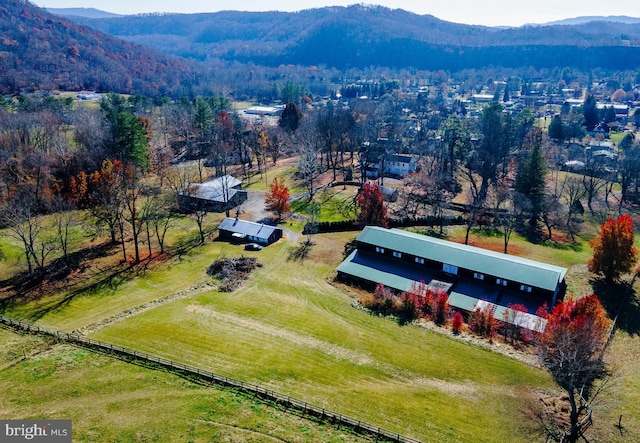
249,232
473,277
217,195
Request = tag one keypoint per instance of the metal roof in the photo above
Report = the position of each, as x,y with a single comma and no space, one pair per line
400,158
509,267
373,269
247,228
220,189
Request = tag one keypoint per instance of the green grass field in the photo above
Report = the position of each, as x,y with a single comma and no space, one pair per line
109,400
289,328
292,330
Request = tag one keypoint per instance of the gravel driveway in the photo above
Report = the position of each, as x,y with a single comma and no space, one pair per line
254,210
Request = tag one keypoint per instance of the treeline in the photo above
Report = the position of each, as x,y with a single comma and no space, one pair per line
61,55
113,164
334,46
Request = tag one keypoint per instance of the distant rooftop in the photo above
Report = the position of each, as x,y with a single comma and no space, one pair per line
219,189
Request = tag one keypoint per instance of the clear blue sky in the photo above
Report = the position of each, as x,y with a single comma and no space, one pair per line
481,12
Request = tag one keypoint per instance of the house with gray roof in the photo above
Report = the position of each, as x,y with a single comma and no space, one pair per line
234,229
473,277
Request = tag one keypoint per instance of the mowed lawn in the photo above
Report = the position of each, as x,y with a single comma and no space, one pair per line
109,400
291,329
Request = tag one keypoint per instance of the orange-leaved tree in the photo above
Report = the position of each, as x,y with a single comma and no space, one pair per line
613,249
277,199
571,348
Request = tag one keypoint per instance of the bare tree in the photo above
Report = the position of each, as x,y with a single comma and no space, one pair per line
335,128
309,146
24,225
593,181
551,213
160,214
64,221
133,213
505,212
573,192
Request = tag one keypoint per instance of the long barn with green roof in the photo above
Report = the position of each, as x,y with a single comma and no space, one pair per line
473,277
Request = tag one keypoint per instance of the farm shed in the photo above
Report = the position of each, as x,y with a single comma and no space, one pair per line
234,229
399,259
217,195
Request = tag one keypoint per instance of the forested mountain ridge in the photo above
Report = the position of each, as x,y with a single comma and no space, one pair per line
361,36
596,18
41,51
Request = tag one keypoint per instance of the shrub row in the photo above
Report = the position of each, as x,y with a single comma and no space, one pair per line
354,225
423,303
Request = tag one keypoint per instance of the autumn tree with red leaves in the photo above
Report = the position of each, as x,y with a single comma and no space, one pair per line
457,323
613,249
372,211
571,348
277,199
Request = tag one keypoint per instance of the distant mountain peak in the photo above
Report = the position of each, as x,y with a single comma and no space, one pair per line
596,18
82,12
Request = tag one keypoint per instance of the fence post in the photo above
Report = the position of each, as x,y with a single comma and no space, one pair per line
267,394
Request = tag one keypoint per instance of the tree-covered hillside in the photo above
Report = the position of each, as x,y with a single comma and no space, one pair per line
361,36
41,51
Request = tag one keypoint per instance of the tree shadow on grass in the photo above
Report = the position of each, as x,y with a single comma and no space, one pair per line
25,285
619,299
301,252
69,279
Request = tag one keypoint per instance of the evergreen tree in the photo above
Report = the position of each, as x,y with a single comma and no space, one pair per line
627,142
555,128
290,118
530,180
130,134
609,114
505,97
590,112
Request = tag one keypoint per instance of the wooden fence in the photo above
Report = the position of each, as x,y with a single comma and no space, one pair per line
285,401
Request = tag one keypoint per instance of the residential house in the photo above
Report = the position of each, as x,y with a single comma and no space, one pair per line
392,165
234,229
399,165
